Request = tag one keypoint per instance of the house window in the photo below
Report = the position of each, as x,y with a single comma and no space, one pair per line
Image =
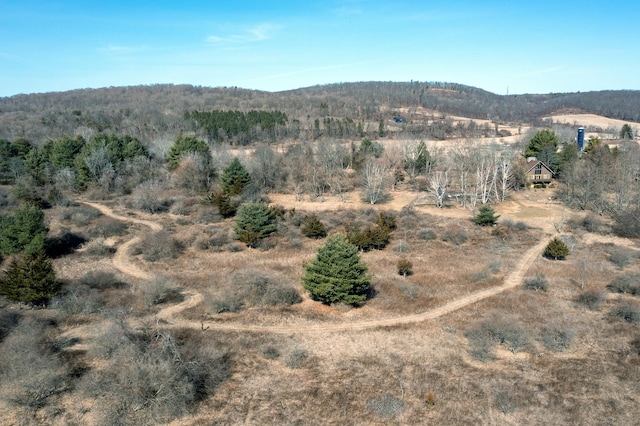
539,169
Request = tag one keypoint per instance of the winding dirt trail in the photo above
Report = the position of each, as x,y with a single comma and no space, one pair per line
121,259
169,314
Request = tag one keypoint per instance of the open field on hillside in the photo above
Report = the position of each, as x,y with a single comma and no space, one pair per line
594,120
399,359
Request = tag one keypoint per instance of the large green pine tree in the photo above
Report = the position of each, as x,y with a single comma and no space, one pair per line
336,274
235,178
30,279
23,231
183,145
254,221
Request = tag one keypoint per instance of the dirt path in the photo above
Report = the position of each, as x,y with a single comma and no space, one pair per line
169,314
121,259
512,280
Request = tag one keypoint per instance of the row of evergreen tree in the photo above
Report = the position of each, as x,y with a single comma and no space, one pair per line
220,125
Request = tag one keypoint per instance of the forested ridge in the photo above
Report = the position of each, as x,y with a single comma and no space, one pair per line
150,112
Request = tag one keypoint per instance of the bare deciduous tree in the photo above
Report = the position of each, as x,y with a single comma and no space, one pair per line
374,173
438,182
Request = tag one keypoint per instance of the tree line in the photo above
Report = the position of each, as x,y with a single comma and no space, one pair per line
151,112
241,127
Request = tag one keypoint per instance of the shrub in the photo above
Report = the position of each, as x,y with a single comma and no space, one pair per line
556,249
630,312
215,238
270,352
150,377
494,266
626,283
100,280
336,274
161,290
148,197
255,287
207,216
233,247
402,246
479,276
313,228
536,282
591,223
159,245
426,234
98,248
32,373
556,338
77,300
627,224
405,267
81,216
281,294
454,235
496,330
386,220
229,300
504,401
297,358
514,226
387,406
486,216
591,299
107,228
372,237
622,257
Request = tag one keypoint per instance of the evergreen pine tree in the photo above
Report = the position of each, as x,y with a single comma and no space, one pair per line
486,216
23,231
235,178
313,228
182,145
30,279
336,274
223,202
556,249
254,221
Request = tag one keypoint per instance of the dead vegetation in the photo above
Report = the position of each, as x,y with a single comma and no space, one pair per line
520,357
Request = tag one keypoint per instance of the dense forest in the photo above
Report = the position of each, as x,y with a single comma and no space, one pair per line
158,111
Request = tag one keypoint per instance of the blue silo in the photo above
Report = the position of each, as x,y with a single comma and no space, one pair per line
580,139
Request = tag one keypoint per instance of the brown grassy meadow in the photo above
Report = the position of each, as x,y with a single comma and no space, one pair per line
521,357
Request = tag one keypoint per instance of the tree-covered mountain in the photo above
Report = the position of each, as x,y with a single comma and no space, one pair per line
150,112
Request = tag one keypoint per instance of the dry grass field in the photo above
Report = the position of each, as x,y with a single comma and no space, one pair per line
460,341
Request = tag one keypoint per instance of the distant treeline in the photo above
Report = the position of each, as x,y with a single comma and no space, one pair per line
157,112
225,126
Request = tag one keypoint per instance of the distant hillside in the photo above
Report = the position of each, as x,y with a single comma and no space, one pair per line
154,111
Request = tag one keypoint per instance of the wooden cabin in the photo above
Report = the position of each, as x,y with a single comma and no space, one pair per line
538,172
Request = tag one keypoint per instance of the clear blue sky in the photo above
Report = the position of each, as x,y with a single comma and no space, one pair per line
525,46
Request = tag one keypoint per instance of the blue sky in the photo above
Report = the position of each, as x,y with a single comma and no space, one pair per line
522,47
